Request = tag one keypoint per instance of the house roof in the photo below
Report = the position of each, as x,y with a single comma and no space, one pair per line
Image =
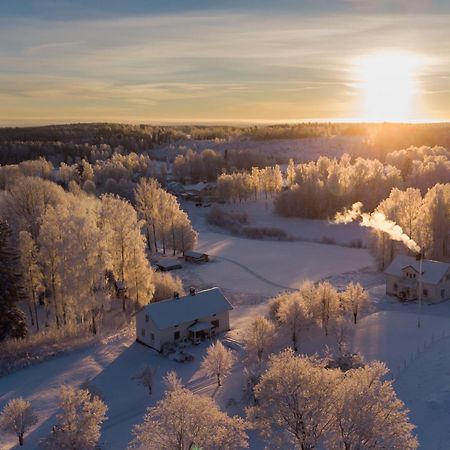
166,263
175,311
432,271
193,254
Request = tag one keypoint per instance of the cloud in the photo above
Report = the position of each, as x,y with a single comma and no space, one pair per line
187,65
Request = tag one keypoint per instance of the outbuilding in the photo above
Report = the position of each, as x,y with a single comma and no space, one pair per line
406,275
196,257
166,265
193,317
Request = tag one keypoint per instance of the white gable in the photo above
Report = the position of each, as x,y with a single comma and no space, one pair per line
432,271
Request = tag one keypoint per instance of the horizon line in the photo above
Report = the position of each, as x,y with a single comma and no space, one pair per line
217,122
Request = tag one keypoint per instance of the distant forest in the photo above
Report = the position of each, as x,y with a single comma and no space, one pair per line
72,142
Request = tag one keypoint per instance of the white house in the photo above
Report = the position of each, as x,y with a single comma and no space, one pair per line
194,316
403,277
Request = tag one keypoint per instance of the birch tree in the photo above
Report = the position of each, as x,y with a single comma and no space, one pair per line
32,274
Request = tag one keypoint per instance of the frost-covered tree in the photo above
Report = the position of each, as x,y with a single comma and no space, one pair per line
166,285
294,408
126,248
368,414
17,418
327,304
354,299
293,315
259,338
291,173
146,378
147,195
27,200
12,319
78,423
185,421
218,361
172,382
31,273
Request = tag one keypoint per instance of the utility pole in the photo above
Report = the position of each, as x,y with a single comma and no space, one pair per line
420,256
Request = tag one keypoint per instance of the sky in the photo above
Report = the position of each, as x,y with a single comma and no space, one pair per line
145,61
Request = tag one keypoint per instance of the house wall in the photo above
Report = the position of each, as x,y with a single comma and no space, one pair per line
160,337
433,290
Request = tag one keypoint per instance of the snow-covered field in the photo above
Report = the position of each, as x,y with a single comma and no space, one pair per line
250,271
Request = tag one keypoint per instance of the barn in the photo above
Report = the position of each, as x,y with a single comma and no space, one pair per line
193,317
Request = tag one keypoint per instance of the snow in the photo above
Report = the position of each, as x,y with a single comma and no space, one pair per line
250,271
261,214
266,267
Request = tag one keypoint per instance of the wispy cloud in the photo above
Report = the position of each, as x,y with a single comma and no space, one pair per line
217,64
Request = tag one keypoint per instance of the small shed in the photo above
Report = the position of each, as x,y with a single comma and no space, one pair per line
166,264
193,317
196,257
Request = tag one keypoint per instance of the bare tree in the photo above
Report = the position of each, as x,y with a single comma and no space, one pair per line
146,378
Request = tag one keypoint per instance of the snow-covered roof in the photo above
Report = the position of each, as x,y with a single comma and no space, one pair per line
432,271
166,263
198,187
175,311
193,254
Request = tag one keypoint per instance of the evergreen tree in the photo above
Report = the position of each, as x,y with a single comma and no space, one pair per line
12,319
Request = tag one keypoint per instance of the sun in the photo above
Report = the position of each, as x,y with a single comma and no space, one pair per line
389,84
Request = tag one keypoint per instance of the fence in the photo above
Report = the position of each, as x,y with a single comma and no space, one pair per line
401,368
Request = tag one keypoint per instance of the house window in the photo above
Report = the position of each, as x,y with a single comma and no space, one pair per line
146,318
152,336
215,323
425,292
395,286
214,315
442,293
143,332
176,335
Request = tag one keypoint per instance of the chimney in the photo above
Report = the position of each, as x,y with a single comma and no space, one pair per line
176,295
192,291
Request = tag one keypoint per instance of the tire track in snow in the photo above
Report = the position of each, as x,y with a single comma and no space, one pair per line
256,275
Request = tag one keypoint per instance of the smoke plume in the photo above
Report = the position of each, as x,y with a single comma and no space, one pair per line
376,221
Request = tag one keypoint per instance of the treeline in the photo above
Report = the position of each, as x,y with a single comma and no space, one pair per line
209,164
319,189
241,186
73,247
424,218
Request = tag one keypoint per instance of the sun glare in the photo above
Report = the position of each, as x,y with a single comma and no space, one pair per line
389,82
